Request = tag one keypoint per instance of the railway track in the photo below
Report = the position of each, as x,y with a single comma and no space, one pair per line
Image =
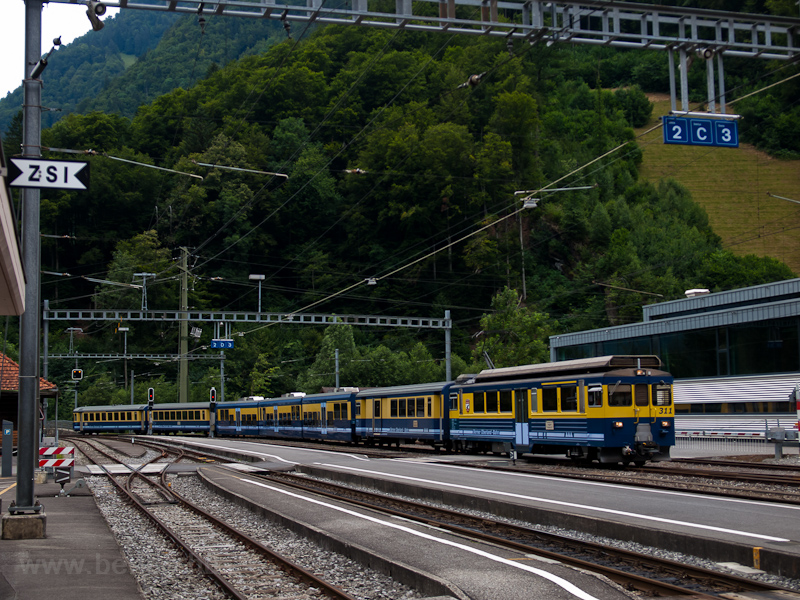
238,564
737,464
643,573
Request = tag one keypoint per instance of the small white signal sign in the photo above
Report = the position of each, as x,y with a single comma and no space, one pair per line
52,174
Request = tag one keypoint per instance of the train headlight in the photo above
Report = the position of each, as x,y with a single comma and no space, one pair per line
665,424
617,424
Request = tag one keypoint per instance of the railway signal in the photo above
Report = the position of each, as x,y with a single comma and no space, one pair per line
77,374
151,395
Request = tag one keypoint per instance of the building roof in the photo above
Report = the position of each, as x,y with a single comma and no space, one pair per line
9,378
746,305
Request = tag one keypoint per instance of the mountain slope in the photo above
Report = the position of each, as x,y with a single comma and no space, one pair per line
137,57
732,186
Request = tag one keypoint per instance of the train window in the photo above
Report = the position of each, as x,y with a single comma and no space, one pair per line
430,406
393,405
478,402
184,415
453,401
595,395
420,407
534,401
345,411
492,404
358,408
549,399
662,396
569,399
620,395
103,416
330,418
172,416
506,401
641,394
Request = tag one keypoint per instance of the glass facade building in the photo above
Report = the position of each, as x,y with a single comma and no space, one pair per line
735,351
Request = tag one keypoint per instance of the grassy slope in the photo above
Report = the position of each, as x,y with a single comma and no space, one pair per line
732,185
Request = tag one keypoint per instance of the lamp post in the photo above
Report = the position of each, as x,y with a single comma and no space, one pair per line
259,279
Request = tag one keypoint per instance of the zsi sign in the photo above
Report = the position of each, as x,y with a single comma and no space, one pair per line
50,174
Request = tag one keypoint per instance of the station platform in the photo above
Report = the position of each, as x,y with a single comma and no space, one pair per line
78,559
430,560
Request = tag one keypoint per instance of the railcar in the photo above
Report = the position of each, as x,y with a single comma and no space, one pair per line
110,419
402,414
611,409
180,417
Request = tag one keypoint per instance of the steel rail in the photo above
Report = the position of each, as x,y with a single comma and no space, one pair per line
699,575
285,564
736,464
167,531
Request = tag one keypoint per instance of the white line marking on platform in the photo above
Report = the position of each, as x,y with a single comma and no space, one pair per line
758,536
622,485
559,581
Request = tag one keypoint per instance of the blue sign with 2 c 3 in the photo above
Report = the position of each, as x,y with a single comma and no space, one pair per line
222,344
701,132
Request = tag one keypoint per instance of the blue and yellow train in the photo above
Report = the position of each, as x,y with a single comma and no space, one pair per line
610,409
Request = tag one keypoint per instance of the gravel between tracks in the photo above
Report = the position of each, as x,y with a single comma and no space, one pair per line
163,572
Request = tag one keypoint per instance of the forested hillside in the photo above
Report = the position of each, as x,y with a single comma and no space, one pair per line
398,176
138,56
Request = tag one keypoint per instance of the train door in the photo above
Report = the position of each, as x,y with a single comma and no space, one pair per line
521,411
238,420
376,416
323,407
275,418
641,402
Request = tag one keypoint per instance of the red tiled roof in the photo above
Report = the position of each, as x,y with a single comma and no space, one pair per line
9,376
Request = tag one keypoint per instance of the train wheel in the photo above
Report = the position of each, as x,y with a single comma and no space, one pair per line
639,463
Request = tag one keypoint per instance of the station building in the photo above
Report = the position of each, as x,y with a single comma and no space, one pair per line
734,352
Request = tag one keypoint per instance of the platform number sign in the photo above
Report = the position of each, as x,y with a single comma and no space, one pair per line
222,344
701,132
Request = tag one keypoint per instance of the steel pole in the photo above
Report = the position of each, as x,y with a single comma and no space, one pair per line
448,368
27,424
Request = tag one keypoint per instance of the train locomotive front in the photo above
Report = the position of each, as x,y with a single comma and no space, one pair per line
611,409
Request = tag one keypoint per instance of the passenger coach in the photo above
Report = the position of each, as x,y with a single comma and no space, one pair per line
110,419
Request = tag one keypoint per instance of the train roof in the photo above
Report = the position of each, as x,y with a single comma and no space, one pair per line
598,364
111,408
404,390
180,406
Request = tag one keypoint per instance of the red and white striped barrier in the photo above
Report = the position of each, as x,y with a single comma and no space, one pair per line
57,457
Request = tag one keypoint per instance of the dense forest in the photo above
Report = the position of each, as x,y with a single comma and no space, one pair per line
355,157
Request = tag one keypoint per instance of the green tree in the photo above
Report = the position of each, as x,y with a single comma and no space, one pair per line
512,334
322,373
